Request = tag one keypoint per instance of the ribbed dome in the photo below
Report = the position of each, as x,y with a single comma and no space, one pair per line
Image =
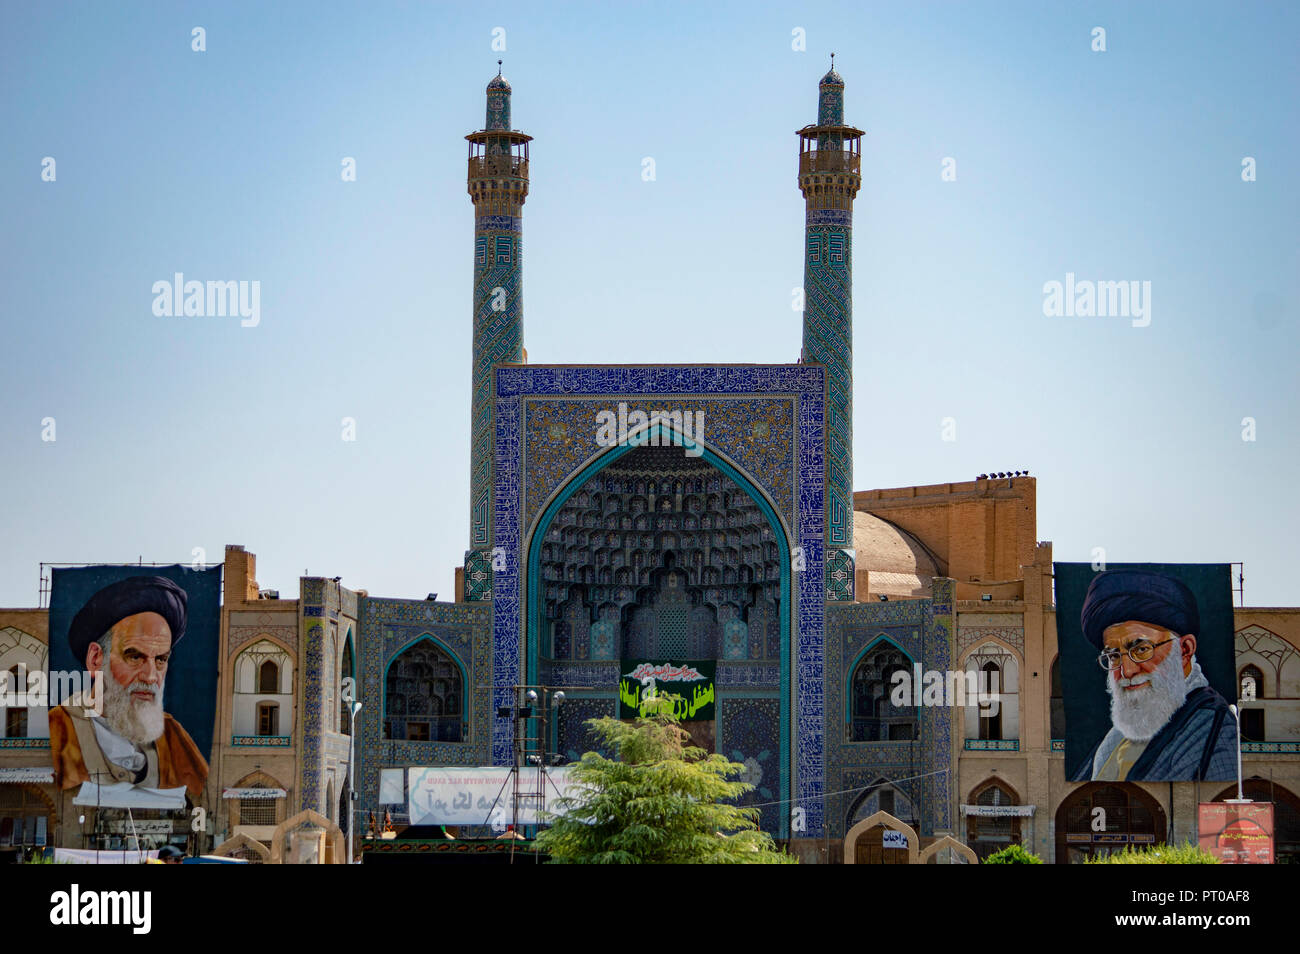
898,564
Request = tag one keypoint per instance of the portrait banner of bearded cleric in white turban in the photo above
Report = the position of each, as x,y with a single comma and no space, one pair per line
127,636
1140,660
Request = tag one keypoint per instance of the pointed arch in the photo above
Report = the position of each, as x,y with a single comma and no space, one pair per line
907,663
1250,683
888,821
248,657
268,677
347,671
979,646
1056,703
257,812
1130,810
606,456
242,845
462,713
534,536
464,673
263,677
533,539
883,795
333,849
880,638
247,644
947,841
18,646
259,779
997,666
993,782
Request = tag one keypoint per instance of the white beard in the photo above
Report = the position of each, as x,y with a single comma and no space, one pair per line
1141,713
139,722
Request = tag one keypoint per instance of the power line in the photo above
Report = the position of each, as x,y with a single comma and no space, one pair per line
849,791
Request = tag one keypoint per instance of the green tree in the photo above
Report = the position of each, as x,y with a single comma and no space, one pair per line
660,801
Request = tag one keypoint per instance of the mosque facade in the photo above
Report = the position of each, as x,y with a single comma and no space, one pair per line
700,514
732,544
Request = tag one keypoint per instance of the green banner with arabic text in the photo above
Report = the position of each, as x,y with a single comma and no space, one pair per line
643,679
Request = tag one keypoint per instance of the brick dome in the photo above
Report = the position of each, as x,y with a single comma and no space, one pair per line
898,564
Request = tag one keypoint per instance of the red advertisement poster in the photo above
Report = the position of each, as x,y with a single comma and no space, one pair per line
1237,834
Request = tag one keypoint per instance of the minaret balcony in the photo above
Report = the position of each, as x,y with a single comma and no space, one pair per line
829,162
491,167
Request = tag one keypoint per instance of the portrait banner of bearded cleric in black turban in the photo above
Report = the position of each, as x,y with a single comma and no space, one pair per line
148,636
1146,657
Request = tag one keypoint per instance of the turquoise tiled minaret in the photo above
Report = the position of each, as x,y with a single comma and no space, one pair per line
830,167
498,185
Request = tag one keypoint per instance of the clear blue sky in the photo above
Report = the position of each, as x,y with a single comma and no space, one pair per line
178,433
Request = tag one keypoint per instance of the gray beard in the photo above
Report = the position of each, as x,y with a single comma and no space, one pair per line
138,722
1141,713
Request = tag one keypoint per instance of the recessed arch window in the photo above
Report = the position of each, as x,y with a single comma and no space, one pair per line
993,830
22,657
264,668
1057,701
263,676
268,677
993,673
424,693
16,716
874,716
347,670
1250,688
991,715
1250,684
1128,816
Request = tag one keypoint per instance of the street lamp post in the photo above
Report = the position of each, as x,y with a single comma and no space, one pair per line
1236,714
353,709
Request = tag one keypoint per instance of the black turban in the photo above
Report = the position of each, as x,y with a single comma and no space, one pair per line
117,601
1119,595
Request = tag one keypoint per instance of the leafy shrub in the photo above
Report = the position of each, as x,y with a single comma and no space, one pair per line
1013,855
1184,854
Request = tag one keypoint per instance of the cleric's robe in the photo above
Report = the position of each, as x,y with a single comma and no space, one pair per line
1199,742
173,758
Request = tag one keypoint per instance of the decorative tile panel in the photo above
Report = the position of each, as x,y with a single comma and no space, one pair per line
748,733
518,457
839,576
478,576
310,701
560,436
923,630
385,628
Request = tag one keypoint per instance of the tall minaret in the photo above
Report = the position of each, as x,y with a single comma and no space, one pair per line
830,167
498,184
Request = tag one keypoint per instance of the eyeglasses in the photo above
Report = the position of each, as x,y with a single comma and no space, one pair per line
1140,651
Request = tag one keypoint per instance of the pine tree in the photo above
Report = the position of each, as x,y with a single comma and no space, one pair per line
660,801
